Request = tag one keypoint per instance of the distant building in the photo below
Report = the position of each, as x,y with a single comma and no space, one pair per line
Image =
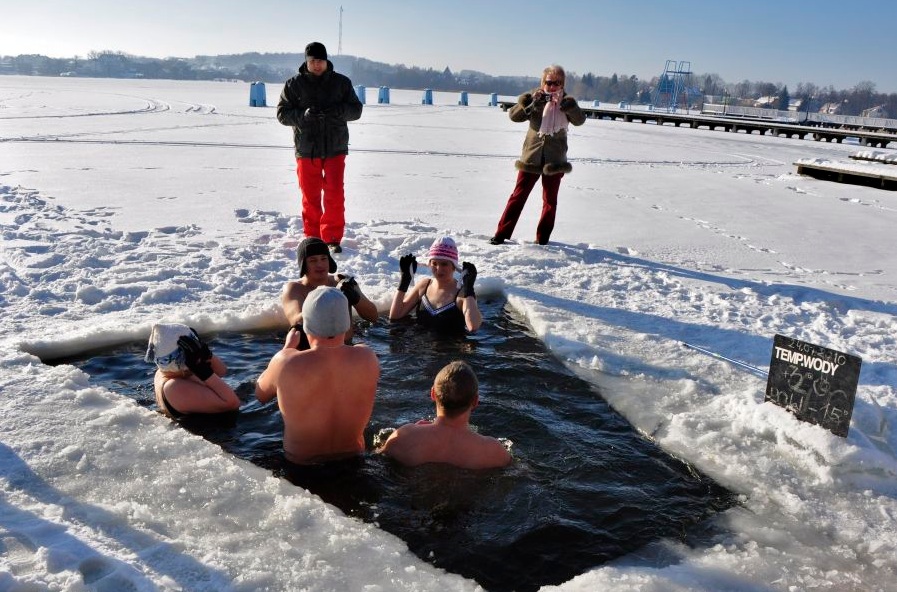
877,112
835,108
768,102
803,105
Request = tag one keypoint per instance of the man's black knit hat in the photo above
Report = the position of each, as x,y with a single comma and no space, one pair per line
315,50
312,246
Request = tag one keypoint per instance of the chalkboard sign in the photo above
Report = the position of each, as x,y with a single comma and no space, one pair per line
815,383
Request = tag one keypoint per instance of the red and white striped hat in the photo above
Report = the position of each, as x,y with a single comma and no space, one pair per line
444,249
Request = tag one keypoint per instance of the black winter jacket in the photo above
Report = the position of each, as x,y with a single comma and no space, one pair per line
330,93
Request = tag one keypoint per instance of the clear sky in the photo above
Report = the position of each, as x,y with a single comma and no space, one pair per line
822,41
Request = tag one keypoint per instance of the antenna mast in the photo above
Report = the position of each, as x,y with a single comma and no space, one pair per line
339,48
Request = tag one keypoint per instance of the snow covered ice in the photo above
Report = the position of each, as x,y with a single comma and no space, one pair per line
123,202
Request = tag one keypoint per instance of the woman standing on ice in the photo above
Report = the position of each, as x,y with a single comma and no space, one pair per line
441,303
549,110
188,376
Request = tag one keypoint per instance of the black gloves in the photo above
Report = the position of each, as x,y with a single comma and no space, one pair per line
204,350
408,265
303,337
525,100
312,114
468,277
349,287
193,357
567,103
312,120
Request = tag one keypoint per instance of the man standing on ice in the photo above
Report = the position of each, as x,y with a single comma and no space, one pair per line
318,102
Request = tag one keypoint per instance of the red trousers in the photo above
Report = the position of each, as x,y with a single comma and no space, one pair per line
323,197
525,183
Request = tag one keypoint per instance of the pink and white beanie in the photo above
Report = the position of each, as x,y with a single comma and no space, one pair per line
444,249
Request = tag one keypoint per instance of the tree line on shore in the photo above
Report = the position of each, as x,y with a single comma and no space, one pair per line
276,67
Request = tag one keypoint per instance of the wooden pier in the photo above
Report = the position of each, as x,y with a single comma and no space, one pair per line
877,177
697,120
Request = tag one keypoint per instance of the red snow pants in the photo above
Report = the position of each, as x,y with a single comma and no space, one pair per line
323,197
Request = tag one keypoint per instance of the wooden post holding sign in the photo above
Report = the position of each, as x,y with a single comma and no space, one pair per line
815,383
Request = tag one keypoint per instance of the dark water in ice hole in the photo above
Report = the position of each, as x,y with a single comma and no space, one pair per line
585,487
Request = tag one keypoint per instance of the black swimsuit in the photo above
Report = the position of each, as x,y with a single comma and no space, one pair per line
445,319
175,414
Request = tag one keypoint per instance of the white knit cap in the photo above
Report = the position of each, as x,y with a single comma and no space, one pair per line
163,347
